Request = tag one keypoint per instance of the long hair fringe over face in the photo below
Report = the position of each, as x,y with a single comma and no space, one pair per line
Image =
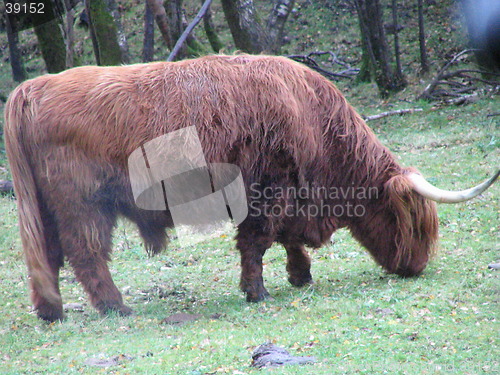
417,225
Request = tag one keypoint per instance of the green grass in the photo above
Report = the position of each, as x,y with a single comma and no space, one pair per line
356,319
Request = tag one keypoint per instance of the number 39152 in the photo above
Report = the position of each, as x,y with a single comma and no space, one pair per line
25,8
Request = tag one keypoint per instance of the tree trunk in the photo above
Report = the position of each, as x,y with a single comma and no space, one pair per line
212,36
174,17
424,61
397,54
246,28
15,57
366,72
69,33
95,44
371,24
162,21
121,36
276,22
149,34
187,36
102,25
177,25
49,32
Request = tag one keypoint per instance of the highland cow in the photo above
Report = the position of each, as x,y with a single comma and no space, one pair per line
69,135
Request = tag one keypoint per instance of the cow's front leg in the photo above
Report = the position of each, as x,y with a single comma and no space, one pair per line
252,248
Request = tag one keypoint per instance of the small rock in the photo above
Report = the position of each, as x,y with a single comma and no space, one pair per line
107,362
413,336
270,355
73,306
181,318
384,312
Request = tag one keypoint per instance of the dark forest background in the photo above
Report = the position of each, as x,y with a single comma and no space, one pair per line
396,45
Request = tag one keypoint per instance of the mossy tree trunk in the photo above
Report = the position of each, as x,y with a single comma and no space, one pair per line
366,71
249,33
245,25
212,36
376,48
49,32
120,31
105,34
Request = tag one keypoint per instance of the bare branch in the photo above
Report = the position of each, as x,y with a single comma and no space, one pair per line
313,64
460,81
189,29
392,113
161,20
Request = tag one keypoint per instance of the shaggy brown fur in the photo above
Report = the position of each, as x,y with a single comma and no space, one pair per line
69,135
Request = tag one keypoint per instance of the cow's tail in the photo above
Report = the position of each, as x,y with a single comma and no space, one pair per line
20,111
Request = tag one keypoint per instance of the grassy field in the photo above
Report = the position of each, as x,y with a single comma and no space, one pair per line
356,319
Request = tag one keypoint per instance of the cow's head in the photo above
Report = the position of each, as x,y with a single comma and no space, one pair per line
401,229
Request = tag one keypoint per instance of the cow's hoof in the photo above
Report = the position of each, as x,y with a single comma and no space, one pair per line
301,281
125,311
257,297
254,290
50,314
114,308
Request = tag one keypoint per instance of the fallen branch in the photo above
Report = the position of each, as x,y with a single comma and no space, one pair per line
468,77
391,113
465,99
188,30
313,64
333,56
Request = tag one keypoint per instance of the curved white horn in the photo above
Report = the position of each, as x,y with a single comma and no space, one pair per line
421,186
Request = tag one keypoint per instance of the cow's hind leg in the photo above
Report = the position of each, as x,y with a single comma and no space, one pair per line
252,247
298,264
50,310
85,234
